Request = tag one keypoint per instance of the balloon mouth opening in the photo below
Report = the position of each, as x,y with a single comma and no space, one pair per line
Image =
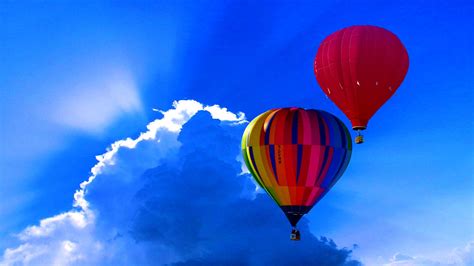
359,128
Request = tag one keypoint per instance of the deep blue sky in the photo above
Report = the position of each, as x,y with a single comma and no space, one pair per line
74,77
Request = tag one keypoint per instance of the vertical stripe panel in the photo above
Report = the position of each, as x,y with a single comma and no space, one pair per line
296,155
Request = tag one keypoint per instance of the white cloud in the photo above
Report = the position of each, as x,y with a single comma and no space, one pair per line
464,256
458,257
71,219
404,260
172,121
23,254
60,240
71,237
224,115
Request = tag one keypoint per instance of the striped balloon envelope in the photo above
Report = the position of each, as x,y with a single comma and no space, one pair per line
296,156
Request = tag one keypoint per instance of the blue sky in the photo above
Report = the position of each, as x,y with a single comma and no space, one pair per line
77,77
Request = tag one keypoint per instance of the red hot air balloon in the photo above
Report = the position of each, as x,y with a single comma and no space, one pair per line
359,68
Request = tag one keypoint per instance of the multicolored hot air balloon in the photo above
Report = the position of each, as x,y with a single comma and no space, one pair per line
359,68
296,156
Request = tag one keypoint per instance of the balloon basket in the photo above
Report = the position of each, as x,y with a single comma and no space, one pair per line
295,235
359,139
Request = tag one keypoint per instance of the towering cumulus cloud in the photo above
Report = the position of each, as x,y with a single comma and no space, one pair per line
176,195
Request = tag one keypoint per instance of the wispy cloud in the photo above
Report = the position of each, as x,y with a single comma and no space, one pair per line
458,257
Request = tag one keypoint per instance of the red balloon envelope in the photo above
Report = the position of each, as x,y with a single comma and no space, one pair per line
359,68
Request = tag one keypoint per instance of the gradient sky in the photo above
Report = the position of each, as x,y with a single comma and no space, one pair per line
75,77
